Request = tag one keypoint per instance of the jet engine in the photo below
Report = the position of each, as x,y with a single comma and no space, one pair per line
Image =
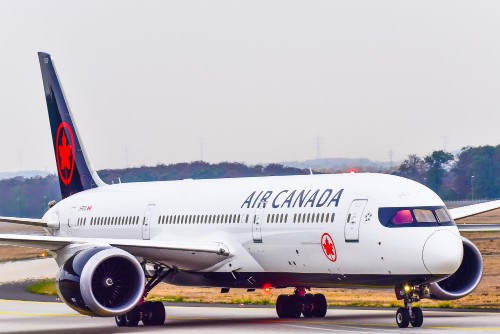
465,279
101,281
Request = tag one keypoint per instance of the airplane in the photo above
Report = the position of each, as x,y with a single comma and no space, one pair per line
115,243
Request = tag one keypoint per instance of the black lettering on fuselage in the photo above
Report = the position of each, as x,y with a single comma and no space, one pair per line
301,198
312,198
278,195
335,199
289,199
248,201
264,199
253,205
326,195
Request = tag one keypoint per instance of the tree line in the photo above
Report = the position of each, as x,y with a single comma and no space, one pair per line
474,172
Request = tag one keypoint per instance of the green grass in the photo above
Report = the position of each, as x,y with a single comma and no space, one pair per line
43,287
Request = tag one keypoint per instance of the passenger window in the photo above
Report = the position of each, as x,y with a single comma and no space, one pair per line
312,218
403,217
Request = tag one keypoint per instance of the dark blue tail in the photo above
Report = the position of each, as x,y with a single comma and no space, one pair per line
73,166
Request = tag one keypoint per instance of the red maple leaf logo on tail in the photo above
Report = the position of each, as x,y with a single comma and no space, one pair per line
65,153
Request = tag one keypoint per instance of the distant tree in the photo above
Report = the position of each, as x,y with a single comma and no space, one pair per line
478,167
413,168
438,163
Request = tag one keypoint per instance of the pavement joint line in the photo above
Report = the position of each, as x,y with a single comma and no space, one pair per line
40,314
325,329
27,301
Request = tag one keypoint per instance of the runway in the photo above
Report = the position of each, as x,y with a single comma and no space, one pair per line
41,317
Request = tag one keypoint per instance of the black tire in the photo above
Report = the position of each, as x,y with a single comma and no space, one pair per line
131,319
307,306
282,306
153,314
120,320
294,306
159,315
417,317
147,314
319,305
402,317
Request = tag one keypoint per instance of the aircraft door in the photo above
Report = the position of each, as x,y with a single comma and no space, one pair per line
146,222
352,223
257,222
71,220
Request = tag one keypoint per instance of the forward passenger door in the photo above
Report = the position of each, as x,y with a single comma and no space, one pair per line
353,221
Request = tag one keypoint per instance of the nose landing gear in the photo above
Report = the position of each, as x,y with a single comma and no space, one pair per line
410,315
307,304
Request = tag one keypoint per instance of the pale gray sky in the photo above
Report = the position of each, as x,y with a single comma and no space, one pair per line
257,80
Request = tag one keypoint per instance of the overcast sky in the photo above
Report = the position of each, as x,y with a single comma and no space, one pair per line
253,81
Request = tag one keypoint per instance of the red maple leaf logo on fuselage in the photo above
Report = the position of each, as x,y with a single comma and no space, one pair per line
328,247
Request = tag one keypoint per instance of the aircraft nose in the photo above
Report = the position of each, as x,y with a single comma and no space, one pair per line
442,253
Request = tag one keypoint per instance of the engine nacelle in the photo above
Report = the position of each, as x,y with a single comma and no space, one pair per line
465,279
101,281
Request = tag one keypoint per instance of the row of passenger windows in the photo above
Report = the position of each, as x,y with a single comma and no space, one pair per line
302,218
210,219
204,219
94,221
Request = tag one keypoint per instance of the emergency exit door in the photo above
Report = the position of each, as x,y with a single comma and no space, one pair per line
353,221
146,223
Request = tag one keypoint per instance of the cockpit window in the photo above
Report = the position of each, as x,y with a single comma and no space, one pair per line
403,217
443,216
424,216
416,216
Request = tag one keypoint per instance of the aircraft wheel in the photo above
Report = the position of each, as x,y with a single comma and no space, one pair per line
153,314
294,306
417,317
158,313
307,306
282,306
402,317
131,318
319,305
120,320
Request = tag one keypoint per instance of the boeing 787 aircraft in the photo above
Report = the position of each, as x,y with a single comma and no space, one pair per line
115,243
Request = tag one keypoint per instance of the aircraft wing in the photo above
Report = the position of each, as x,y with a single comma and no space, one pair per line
472,210
193,255
24,221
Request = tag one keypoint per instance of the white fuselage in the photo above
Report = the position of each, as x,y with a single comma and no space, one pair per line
278,241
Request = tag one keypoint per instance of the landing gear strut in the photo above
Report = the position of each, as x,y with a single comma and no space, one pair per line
410,315
150,313
307,304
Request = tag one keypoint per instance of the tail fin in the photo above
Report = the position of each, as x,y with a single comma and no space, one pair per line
75,170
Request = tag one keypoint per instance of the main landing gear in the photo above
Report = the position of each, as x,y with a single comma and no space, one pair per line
410,315
307,304
150,313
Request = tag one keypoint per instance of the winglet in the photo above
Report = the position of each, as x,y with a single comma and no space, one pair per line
74,168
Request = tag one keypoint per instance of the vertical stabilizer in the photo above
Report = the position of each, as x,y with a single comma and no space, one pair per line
74,168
